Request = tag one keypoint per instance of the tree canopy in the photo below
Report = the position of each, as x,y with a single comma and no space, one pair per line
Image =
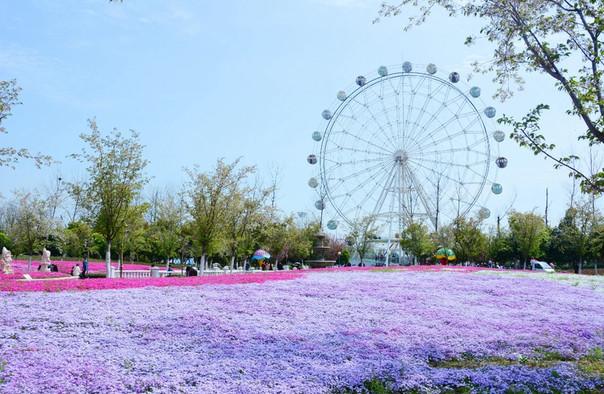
116,178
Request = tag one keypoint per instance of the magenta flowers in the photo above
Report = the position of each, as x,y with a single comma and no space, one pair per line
318,332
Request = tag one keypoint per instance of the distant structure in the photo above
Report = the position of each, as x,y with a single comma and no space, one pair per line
319,252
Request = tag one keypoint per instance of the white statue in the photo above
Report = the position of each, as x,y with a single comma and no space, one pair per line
7,257
45,261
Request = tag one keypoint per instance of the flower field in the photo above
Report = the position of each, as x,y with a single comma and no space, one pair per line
423,330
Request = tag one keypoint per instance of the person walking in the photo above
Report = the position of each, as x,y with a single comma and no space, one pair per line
84,268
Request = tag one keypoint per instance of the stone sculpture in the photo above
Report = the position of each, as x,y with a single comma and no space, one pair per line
45,261
7,257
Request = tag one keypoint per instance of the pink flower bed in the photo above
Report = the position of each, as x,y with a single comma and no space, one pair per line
20,267
9,284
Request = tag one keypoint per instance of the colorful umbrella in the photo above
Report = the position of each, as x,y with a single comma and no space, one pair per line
260,255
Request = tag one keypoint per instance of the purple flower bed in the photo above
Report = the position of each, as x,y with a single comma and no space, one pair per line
325,332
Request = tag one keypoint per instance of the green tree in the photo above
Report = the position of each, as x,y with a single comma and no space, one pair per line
116,178
500,248
571,241
597,242
527,231
208,201
78,238
243,218
560,38
470,242
165,230
362,232
416,239
5,242
33,226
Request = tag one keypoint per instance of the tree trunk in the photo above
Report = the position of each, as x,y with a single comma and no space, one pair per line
580,264
524,263
202,262
29,263
232,262
108,258
167,262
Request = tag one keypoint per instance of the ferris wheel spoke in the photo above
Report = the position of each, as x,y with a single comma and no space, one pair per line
427,102
379,151
345,179
430,170
344,130
422,195
443,126
346,198
373,116
385,191
339,150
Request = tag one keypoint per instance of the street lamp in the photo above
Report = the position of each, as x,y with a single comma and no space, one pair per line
339,255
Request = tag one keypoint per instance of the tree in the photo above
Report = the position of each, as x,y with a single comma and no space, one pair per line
243,218
470,243
32,226
9,96
115,181
416,239
208,200
79,238
500,249
169,218
527,230
362,231
560,38
571,240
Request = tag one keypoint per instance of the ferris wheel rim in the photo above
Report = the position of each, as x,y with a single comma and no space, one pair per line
329,192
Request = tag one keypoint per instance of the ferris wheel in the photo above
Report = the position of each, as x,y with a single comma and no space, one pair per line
404,145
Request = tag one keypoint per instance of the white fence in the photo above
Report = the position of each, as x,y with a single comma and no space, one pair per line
154,272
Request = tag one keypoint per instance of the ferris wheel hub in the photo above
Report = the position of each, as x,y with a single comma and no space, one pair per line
400,156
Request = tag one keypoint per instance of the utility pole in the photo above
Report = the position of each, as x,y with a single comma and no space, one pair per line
546,204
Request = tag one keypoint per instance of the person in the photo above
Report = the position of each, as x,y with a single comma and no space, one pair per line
84,267
279,266
75,271
169,268
190,271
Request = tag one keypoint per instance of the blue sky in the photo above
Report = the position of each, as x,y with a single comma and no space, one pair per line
201,80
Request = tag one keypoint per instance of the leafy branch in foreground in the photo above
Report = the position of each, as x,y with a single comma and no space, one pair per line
9,96
527,134
560,38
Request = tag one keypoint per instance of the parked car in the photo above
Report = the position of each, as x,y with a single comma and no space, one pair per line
541,266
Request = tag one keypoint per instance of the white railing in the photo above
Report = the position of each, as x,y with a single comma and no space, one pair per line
154,272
